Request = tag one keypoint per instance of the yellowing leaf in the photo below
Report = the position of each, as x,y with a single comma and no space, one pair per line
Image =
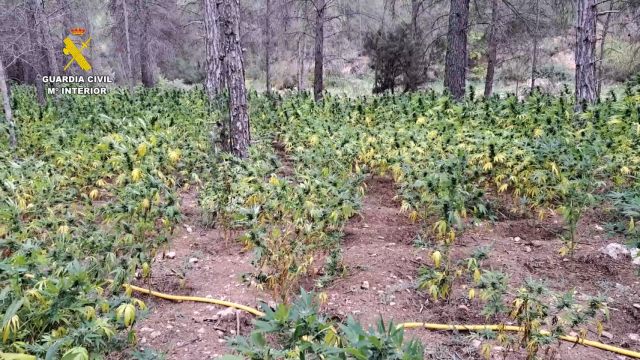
136,174
142,149
436,256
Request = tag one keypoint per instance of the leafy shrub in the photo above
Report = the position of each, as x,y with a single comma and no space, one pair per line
300,331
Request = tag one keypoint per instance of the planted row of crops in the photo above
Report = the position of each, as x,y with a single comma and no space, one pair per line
93,191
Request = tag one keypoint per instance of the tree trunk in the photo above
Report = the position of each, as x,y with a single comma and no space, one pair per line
6,99
54,70
33,69
605,32
214,78
267,45
455,71
534,61
235,79
126,33
493,48
40,89
146,68
319,51
415,10
301,55
585,52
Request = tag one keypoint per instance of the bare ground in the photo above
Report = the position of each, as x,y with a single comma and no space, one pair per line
377,248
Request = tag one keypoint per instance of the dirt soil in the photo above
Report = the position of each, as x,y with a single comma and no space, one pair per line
378,248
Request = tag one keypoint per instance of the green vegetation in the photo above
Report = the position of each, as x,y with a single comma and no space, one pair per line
93,193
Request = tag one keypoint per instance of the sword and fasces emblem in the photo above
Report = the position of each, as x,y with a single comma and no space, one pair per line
76,54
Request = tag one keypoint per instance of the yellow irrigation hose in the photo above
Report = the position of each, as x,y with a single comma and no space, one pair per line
253,311
572,339
198,299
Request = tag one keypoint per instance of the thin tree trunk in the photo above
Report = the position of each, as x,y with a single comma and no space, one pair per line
34,68
605,32
301,54
54,70
267,45
146,68
493,49
585,53
126,33
319,52
214,77
415,9
534,61
235,78
455,71
42,100
4,88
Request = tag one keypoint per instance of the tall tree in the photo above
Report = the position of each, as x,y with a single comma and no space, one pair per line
585,52
318,71
267,45
214,79
8,117
47,39
146,67
125,12
455,71
494,32
534,61
235,78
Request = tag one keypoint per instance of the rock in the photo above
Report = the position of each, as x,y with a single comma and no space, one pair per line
155,334
220,333
227,314
169,327
232,332
637,306
145,329
189,229
607,334
527,249
635,256
144,340
613,250
476,343
516,239
170,255
392,303
193,261
573,333
365,285
634,337
599,228
201,330
221,341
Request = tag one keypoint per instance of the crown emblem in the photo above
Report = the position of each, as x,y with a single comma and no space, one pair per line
78,31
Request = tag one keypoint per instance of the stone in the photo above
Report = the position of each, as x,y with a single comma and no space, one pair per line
613,250
201,330
634,337
155,334
392,303
527,249
227,314
637,306
365,285
189,229
607,334
476,343
599,228
145,329
635,256
516,239
193,261
170,255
